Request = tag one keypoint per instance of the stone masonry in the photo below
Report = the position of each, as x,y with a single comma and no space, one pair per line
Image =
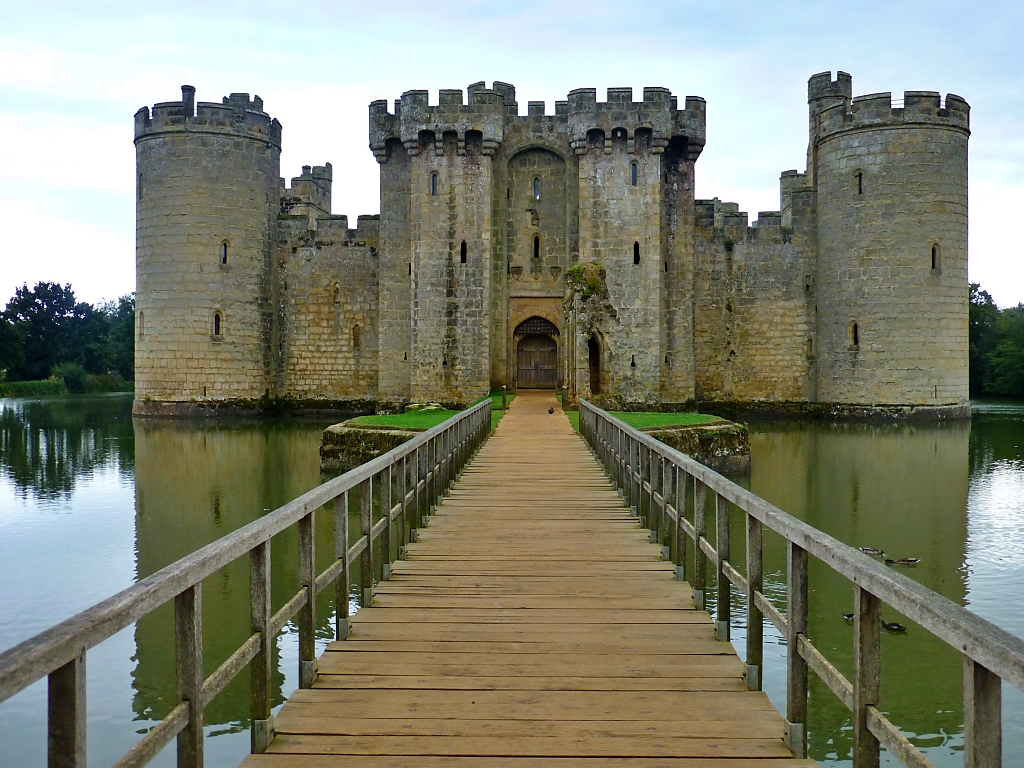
851,299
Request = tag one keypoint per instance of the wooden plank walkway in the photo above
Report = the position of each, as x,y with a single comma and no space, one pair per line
532,624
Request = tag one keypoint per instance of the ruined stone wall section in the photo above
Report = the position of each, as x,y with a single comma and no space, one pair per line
891,187
207,179
754,313
329,293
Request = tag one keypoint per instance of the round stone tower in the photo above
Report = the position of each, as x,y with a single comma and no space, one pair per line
207,197
892,293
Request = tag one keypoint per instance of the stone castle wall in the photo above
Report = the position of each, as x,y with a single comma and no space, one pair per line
206,205
892,212
754,323
328,290
853,293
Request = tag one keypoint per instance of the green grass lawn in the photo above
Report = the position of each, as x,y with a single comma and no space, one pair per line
644,419
428,419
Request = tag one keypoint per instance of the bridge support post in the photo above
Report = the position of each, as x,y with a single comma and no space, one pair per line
341,585
262,666
700,529
65,743
680,484
307,616
188,636
983,727
387,479
724,585
755,619
867,674
366,528
796,667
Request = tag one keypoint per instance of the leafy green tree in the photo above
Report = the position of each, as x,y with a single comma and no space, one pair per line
47,316
982,331
1006,361
121,336
45,326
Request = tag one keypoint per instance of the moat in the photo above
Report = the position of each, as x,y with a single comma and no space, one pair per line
91,500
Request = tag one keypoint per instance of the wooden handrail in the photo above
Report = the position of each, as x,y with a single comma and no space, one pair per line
427,462
990,653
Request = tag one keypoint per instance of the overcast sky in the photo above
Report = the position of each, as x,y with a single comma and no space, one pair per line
73,74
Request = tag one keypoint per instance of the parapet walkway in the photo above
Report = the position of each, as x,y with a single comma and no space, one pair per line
532,624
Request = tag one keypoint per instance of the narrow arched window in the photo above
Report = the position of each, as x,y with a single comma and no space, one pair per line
462,252
433,185
860,182
536,246
536,189
217,325
410,267
636,253
139,189
337,293
224,252
632,174
355,337
854,335
142,324
935,257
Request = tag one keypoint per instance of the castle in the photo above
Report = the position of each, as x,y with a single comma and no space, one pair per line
554,250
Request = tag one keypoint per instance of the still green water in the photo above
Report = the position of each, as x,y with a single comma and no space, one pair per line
91,501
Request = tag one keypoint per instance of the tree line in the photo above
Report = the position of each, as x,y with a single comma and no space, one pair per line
996,346
46,333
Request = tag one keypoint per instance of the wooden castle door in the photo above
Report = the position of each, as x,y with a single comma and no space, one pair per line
537,363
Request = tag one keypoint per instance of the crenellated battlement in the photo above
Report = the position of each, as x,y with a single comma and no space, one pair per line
237,115
836,112
311,190
649,124
420,126
479,124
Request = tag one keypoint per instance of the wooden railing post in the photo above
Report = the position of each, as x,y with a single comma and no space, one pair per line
261,668
755,619
983,727
417,501
188,642
680,533
666,475
648,478
307,616
867,674
796,667
341,585
700,531
403,518
366,529
387,477
724,585
65,742
630,472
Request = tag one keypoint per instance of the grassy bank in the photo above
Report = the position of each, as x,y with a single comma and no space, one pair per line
645,419
89,385
425,418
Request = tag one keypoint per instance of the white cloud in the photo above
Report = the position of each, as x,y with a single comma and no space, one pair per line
98,261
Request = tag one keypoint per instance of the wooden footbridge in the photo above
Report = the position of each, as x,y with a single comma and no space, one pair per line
531,611
532,618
